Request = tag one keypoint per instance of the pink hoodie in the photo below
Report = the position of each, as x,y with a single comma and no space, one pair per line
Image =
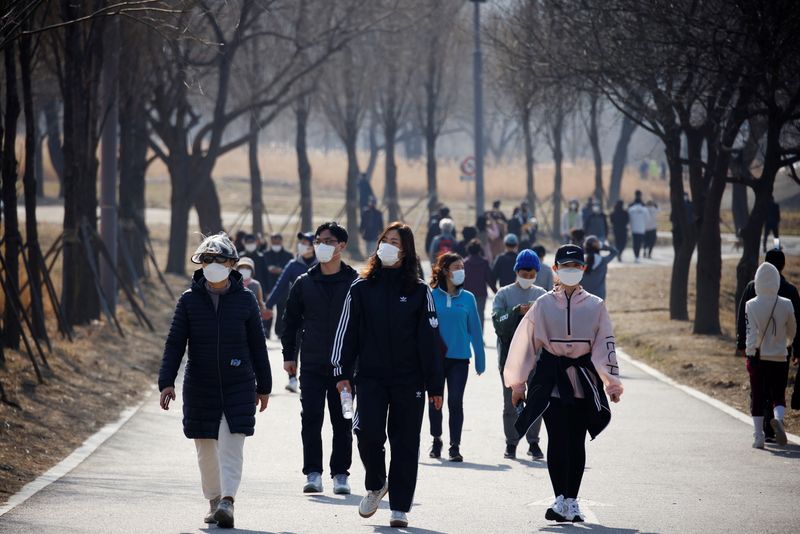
568,327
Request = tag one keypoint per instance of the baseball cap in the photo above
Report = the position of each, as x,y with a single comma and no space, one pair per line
527,260
569,254
511,240
308,236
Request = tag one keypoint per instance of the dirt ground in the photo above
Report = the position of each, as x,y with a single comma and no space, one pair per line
638,300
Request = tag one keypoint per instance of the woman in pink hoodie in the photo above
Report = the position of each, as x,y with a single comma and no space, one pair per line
567,339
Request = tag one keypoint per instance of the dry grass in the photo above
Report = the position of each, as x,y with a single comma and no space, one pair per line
638,303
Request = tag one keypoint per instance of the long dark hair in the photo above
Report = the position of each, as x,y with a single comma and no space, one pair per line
410,262
591,250
442,267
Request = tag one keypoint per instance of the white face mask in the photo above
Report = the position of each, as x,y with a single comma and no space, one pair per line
324,252
216,272
524,283
570,276
388,254
458,277
250,247
302,249
246,273
276,248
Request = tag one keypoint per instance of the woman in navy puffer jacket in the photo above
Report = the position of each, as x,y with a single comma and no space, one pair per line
227,373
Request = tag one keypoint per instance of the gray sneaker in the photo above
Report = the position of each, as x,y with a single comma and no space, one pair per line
224,514
398,520
340,485
780,431
313,483
371,501
212,508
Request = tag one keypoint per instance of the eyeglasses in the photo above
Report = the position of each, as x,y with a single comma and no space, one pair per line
211,258
330,242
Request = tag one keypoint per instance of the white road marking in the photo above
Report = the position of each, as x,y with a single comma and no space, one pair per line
733,412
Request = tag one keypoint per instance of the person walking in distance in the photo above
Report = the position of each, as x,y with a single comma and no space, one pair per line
371,226
651,228
478,277
246,269
312,315
563,352
772,222
445,241
594,277
544,278
503,266
771,328
387,346
304,260
276,258
460,327
227,375
510,305
638,214
619,224
786,290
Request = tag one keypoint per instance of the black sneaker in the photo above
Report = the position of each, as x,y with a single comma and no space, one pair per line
511,451
455,454
535,452
436,448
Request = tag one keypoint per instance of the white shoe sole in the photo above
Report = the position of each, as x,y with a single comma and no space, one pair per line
365,515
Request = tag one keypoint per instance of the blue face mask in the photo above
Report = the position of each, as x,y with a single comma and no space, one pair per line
458,277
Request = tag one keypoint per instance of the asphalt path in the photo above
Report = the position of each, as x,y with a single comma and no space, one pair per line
667,463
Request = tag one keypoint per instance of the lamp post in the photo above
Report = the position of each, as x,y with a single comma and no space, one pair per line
478,93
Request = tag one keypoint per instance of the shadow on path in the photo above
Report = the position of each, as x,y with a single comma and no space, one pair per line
589,527
392,530
785,451
469,465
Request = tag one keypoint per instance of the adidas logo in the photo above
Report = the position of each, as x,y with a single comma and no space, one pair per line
403,299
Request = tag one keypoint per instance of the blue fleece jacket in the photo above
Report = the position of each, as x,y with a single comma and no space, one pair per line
459,326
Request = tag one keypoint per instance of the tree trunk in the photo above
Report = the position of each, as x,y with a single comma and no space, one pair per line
527,140
620,159
30,186
82,63
683,235
256,199
739,207
180,205
303,165
352,194
206,202
38,162
431,167
9,168
390,190
133,145
54,146
594,141
374,148
558,158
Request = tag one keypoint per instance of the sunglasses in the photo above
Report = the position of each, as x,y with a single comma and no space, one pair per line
211,258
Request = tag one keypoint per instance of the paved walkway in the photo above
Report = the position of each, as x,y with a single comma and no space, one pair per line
667,463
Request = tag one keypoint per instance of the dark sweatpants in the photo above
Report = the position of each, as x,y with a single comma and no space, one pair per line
314,389
481,303
566,445
767,380
638,241
455,374
620,241
400,407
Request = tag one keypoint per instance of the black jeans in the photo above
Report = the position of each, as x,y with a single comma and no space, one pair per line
456,373
400,407
650,238
767,381
620,241
481,303
566,445
315,388
638,240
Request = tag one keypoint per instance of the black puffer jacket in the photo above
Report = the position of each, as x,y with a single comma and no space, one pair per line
313,309
389,334
227,361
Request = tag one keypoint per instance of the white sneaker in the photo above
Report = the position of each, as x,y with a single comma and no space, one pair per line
371,501
758,442
780,431
313,483
573,511
340,485
557,511
292,385
398,520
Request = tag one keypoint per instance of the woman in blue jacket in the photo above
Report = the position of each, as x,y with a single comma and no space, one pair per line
227,374
459,326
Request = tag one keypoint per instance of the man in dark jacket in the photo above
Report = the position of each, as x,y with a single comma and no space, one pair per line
503,268
772,222
313,310
786,290
371,226
275,259
227,374
280,293
478,276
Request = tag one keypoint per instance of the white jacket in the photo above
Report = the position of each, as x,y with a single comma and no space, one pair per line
651,223
770,331
638,214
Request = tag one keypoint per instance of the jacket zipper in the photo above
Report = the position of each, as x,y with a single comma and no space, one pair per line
569,311
219,369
